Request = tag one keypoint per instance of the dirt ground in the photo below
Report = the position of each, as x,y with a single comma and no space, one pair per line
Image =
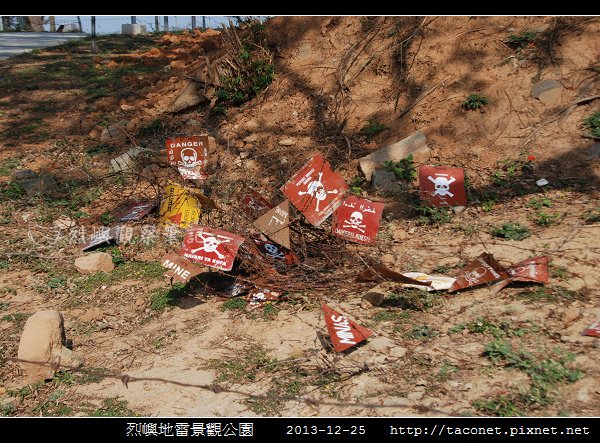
153,350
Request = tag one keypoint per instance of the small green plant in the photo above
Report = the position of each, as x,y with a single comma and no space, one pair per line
16,317
7,409
100,149
543,219
446,370
106,219
538,203
500,406
421,332
234,304
113,407
355,186
7,166
404,170
592,215
483,325
488,204
244,367
511,231
163,297
593,123
475,101
371,129
431,215
57,282
12,190
520,41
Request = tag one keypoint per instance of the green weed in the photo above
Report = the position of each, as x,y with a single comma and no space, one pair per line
371,129
234,304
113,407
593,123
543,219
511,231
520,41
475,101
404,170
538,203
421,332
163,297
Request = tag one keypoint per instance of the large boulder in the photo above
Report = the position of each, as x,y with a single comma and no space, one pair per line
416,145
43,341
90,264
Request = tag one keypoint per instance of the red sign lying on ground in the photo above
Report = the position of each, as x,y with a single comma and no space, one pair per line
344,333
211,247
315,190
179,268
276,252
484,269
442,186
254,204
189,154
257,298
357,220
533,270
593,329
134,211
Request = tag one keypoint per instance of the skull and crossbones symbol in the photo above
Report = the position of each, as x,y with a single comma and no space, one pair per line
473,276
273,252
210,243
442,185
189,157
317,190
355,222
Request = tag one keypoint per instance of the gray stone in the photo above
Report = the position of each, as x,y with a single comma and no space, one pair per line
386,346
45,184
548,92
252,138
126,161
372,298
458,209
190,96
64,223
593,152
416,145
388,260
114,134
90,264
23,174
400,234
43,341
383,179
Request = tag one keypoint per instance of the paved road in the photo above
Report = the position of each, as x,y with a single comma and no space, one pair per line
13,43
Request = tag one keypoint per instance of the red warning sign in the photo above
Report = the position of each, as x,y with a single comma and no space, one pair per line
276,252
442,186
593,330
484,269
315,190
254,204
211,247
344,333
357,220
533,270
189,154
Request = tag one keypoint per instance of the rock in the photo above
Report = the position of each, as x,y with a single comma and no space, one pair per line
114,134
287,142
43,340
126,161
45,184
64,223
372,298
251,125
397,401
593,152
583,395
91,315
252,138
244,154
400,234
416,145
190,96
90,264
388,260
570,315
416,395
23,174
384,345
453,384
458,209
548,92
421,382
383,179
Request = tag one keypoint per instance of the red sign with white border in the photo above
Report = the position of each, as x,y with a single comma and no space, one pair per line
189,154
276,252
593,330
344,333
484,269
357,220
254,204
442,186
211,247
315,190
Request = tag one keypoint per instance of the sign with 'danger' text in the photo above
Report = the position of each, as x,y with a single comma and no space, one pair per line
189,154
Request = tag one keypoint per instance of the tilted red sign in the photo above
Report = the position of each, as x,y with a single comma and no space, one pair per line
189,154
593,330
484,269
134,211
532,269
257,298
357,220
179,268
442,186
211,247
315,190
344,333
254,204
276,252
